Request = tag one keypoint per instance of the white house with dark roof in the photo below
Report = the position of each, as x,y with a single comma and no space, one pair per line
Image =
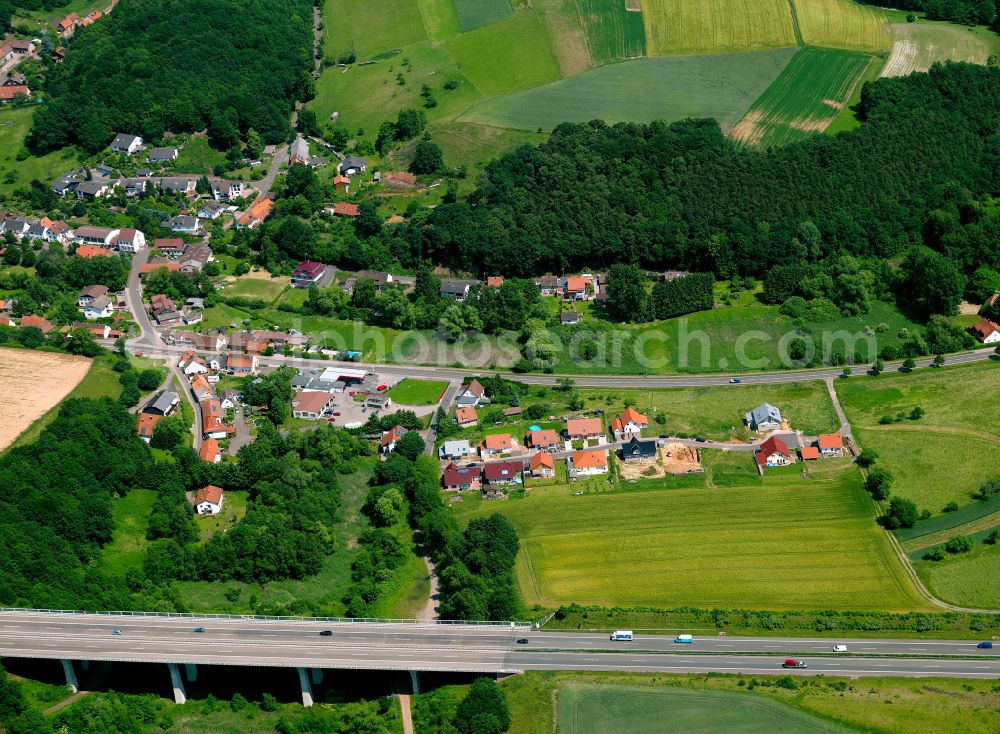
125,144
353,164
129,240
765,417
100,308
163,155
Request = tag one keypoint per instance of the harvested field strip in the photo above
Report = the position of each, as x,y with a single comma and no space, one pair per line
30,384
474,14
843,24
978,532
722,86
613,31
686,26
915,46
808,96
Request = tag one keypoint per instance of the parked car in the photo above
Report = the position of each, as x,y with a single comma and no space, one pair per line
793,664
985,645
336,413
382,388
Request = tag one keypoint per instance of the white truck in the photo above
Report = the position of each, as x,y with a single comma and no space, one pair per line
622,635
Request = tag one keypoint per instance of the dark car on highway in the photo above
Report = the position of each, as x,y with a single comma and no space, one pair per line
326,633
523,641
199,629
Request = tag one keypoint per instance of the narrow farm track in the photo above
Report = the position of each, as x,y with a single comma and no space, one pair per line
937,430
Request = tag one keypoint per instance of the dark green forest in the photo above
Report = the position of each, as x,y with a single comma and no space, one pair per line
180,66
917,171
967,12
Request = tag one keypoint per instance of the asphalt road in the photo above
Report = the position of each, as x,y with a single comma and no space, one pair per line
298,643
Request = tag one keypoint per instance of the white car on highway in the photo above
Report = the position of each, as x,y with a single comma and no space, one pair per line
840,648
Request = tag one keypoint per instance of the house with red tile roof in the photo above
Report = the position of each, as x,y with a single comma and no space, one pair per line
496,443
986,331
830,444
256,214
466,416
587,463
502,472
629,423
92,251
210,451
212,414
544,440
773,452
583,428
38,322
809,453
209,500
390,438
542,466
457,478
344,209
145,423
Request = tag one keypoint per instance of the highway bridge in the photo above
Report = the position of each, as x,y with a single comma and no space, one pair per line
313,645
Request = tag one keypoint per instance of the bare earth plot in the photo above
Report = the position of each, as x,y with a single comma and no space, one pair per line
915,46
31,383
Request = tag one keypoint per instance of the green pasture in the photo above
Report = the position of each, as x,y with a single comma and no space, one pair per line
197,156
777,542
968,579
234,507
717,412
684,27
475,145
440,19
642,90
506,56
805,99
15,122
595,709
473,14
411,391
258,288
613,33
842,24
370,28
915,46
127,549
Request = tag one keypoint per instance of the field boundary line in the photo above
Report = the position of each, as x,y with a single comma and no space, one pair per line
992,521
796,29
586,38
949,430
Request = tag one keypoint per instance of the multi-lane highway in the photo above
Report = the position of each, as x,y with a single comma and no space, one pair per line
462,648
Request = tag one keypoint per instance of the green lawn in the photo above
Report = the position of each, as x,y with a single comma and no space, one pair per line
128,546
440,19
641,90
370,28
197,156
717,412
418,392
234,507
948,453
805,99
506,56
594,709
15,122
777,542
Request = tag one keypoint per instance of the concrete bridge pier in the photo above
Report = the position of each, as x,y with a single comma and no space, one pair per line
71,680
307,693
191,672
177,683
414,682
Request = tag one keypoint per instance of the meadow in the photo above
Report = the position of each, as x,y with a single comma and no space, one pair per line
884,705
722,86
915,46
440,19
377,27
682,27
613,32
716,413
474,14
262,288
780,542
411,391
593,709
968,579
127,549
805,99
15,122
842,24
947,454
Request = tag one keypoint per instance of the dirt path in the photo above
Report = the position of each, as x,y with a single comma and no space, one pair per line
845,427
430,610
405,713
65,702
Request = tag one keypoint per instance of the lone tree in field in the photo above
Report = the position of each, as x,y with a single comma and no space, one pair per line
879,483
866,458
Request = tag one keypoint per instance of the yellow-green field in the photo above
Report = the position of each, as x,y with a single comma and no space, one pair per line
843,24
698,26
779,543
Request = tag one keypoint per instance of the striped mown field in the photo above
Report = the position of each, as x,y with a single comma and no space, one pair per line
613,31
779,543
805,99
695,26
843,24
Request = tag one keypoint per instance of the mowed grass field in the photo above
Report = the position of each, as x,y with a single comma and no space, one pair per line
613,33
506,56
474,14
411,391
698,26
370,27
806,98
843,24
722,86
968,580
265,289
948,453
915,46
717,413
781,542
595,709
